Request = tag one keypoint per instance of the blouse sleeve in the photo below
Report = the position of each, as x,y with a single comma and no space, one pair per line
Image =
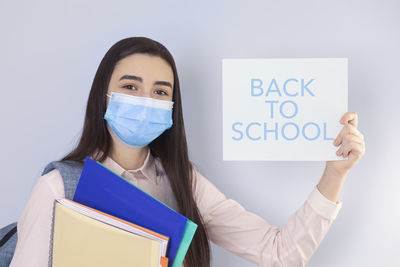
34,224
229,225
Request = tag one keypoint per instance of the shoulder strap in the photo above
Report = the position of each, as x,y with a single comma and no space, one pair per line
7,232
8,242
70,171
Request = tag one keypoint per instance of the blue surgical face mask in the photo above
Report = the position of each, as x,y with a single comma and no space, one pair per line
138,120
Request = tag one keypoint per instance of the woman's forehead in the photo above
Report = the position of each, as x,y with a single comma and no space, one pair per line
145,66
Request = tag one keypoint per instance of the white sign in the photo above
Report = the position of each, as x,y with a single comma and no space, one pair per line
283,108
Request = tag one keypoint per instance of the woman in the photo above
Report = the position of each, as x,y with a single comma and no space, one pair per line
155,158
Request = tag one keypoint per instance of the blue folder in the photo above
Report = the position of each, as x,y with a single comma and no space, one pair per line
104,190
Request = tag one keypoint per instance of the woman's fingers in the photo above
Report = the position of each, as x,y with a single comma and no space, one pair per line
355,149
351,118
351,143
347,129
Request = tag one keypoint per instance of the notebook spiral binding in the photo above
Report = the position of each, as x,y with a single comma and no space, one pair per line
51,237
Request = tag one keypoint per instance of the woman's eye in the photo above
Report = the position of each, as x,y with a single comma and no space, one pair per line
128,86
163,92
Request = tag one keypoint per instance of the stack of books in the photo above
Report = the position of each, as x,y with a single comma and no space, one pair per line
111,222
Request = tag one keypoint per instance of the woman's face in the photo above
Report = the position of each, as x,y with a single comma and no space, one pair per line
142,75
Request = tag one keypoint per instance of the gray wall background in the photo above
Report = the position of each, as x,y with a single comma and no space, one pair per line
50,50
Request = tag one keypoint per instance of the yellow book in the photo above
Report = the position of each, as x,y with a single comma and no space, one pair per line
78,240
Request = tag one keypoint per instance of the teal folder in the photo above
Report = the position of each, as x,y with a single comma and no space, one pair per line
187,237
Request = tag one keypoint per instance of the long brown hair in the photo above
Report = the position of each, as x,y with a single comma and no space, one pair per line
170,146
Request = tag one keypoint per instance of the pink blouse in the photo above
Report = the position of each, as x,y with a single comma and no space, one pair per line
227,223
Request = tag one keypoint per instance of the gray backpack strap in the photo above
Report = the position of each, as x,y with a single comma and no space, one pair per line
8,242
70,171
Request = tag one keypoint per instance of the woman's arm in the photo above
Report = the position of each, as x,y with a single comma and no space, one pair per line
353,147
248,235
331,184
34,224
229,225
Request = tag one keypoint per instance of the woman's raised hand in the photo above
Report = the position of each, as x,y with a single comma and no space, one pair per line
351,142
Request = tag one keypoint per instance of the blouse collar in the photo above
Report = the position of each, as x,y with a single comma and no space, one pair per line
148,169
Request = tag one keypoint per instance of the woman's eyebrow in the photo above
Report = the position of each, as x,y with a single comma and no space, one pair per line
136,78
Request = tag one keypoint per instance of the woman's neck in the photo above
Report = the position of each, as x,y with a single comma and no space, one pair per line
128,158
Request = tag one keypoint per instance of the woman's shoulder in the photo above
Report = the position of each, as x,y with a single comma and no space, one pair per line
51,181
56,172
